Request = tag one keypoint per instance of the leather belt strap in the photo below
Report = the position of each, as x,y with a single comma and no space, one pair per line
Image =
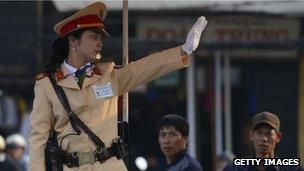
76,159
102,153
74,119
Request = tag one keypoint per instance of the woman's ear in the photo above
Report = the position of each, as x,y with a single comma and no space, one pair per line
72,42
72,39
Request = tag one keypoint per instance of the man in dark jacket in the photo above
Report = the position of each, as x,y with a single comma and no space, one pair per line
173,131
265,134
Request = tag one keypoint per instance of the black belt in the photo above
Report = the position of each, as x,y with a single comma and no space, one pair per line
76,159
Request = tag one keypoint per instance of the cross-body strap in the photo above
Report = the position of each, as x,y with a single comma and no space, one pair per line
74,119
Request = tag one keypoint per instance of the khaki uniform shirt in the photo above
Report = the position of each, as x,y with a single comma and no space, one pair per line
99,114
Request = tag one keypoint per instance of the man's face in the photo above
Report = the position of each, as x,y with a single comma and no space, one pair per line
89,44
16,152
171,141
265,138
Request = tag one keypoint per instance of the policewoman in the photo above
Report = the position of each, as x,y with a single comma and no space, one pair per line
93,95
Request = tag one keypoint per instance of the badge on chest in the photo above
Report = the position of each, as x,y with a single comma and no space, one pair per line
103,90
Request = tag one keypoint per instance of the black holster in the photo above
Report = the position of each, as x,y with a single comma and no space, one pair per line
120,148
52,155
121,145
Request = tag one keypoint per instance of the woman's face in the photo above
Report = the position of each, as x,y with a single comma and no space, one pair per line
89,44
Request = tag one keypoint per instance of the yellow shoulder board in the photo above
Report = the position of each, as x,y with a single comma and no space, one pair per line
40,76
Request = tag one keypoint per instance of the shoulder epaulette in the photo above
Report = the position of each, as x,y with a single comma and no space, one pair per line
103,60
40,75
118,66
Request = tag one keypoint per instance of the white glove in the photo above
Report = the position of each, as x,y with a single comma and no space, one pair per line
194,35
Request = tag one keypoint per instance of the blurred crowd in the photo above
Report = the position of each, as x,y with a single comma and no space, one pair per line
13,156
14,131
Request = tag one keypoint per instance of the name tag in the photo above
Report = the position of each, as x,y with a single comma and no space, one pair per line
103,90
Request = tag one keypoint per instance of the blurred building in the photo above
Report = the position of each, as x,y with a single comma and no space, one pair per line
258,48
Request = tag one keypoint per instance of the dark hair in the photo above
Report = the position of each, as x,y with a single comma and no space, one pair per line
61,46
178,122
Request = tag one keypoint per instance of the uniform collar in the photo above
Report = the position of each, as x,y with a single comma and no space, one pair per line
71,70
68,81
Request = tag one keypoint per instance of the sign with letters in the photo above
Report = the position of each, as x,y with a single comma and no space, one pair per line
226,29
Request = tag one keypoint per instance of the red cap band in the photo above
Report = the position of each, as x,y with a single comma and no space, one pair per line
81,22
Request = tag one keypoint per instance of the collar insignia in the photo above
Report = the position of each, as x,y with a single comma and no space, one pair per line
59,75
96,71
